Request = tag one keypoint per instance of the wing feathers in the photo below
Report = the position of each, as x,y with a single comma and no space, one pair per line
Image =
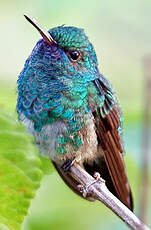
110,141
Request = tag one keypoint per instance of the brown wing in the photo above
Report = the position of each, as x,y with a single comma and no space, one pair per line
110,141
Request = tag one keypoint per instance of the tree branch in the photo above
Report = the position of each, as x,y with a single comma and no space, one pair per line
97,189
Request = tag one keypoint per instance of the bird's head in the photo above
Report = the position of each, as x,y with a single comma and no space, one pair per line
76,53
62,62
64,51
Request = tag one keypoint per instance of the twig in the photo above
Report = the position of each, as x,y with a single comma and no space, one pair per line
146,137
97,189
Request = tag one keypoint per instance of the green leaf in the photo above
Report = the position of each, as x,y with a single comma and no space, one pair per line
21,170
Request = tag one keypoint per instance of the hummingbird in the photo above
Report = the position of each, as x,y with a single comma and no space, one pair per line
72,110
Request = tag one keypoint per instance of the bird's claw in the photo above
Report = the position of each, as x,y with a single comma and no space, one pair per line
67,164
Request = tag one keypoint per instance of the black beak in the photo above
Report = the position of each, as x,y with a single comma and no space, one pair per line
46,36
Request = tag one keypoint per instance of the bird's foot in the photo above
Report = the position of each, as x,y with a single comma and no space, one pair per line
67,164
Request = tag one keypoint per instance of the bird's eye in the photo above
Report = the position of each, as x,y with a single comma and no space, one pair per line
74,55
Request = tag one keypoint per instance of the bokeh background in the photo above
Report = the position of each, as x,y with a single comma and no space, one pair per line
121,34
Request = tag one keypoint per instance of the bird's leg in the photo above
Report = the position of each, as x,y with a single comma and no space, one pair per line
67,164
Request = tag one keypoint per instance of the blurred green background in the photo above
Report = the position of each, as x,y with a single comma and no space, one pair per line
121,34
